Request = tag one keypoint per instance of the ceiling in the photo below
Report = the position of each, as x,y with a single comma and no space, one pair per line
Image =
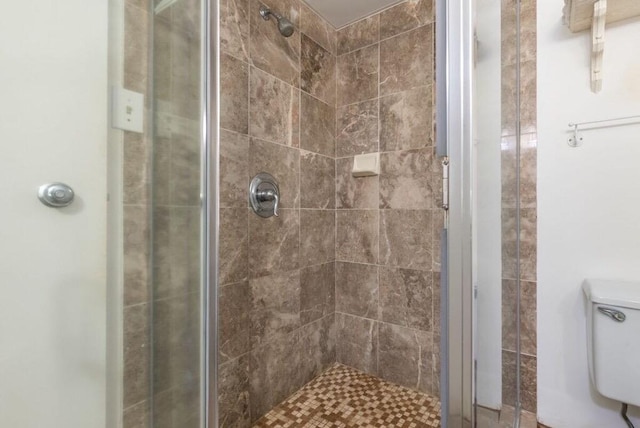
342,12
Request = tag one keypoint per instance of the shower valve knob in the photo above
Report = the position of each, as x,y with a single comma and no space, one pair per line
56,195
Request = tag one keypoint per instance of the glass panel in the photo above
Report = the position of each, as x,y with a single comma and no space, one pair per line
176,215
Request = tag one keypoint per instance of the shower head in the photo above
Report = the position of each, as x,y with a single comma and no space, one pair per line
284,25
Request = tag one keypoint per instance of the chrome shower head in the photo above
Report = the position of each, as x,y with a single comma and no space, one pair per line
284,25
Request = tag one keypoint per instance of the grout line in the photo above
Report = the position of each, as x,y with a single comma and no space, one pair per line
388,38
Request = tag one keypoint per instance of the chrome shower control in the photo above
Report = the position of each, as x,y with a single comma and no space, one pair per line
264,195
56,195
614,314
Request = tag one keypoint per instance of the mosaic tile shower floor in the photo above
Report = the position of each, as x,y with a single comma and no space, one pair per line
343,397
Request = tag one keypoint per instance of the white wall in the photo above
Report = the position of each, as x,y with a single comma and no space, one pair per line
53,127
588,206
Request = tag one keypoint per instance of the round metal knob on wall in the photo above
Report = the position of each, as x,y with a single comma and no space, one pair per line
56,195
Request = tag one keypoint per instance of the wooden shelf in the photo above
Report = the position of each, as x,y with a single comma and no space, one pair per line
578,14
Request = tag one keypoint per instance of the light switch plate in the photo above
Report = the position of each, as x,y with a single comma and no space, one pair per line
127,110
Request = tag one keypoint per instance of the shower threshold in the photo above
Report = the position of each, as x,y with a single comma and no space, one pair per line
344,397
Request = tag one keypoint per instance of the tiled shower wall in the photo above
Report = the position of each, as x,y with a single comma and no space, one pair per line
388,226
162,218
528,204
277,274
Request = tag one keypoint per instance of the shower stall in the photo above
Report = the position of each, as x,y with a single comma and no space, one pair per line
253,275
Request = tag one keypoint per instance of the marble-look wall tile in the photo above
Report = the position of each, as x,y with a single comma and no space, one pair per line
406,16
405,357
275,306
136,254
358,76
355,192
185,75
317,237
233,394
234,321
136,47
359,34
317,181
528,36
136,174
318,71
407,61
318,347
234,28
234,90
528,94
283,163
276,372
317,126
184,186
528,244
406,179
136,416
317,292
357,289
406,298
405,239
528,372
528,170
357,236
136,354
274,243
275,109
406,120
357,343
528,316
234,167
270,51
234,245
314,26
176,339
357,129
436,304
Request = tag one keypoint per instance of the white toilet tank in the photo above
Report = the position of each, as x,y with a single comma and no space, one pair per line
613,329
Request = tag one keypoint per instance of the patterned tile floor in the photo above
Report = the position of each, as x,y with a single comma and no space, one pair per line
344,397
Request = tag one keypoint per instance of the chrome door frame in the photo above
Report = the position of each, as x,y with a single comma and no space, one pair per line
454,71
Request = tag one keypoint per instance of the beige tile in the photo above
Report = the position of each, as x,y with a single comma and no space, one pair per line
357,236
234,93
317,181
275,306
357,129
528,392
234,169
528,100
317,292
136,47
528,311
405,239
283,163
234,321
359,34
274,243
315,27
275,109
234,28
528,36
405,357
406,16
357,289
136,253
317,126
136,354
136,168
407,61
233,393
358,76
136,416
406,120
406,298
357,342
317,236
269,50
355,192
318,347
406,179
234,245
318,71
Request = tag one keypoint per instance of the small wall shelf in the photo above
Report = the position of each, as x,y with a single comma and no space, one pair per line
580,15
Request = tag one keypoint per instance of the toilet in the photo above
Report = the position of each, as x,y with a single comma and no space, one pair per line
613,338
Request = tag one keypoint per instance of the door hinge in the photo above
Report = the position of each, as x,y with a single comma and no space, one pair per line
445,183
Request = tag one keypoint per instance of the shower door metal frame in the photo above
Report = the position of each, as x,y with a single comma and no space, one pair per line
210,227
454,71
